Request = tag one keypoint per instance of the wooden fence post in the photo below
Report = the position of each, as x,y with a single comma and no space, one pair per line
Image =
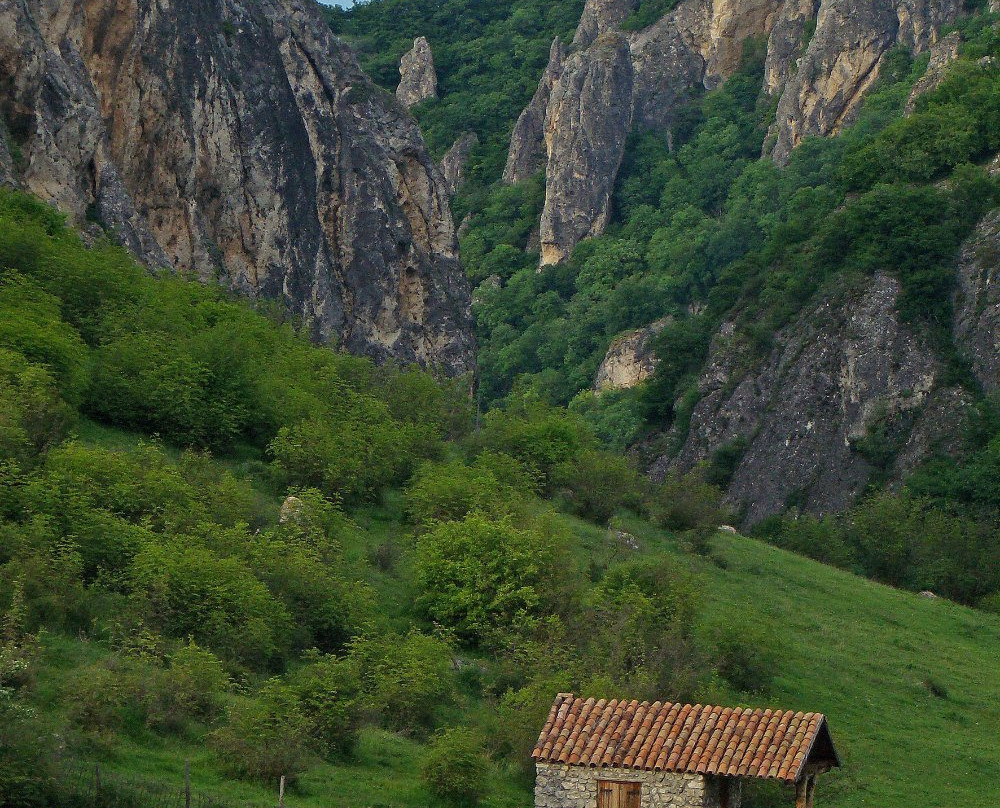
187,784
281,792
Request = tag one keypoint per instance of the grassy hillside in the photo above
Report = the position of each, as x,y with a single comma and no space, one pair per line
910,686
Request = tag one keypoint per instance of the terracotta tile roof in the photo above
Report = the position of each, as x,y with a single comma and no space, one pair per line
695,739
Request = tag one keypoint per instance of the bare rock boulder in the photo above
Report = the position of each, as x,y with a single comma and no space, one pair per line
630,360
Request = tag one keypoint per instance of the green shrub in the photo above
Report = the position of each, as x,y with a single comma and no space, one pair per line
265,737
405,679
536,434
599,483
197,681
685,502
455,767
188,590
445,492
329,690
746,654
485,578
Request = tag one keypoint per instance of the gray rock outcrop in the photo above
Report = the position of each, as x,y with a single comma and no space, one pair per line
943,53
588,120
977,302
527,155
417,76
456,160
242,144
630,359
8,172
843,60
788,40
599,17
844,366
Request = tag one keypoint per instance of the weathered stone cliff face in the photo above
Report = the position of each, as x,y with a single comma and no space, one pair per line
456,160
527,143
417,75
630,359
845,367
241,143
977,302
820,78
843,59
588,120
943,53
599,17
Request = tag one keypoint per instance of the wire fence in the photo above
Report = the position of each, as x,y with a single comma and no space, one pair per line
92,786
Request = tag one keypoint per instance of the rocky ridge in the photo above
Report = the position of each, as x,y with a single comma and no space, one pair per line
244,145
821,58
587,122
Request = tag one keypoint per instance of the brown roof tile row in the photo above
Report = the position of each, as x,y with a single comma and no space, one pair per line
669,737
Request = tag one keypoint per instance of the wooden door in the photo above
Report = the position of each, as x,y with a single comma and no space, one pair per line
618,795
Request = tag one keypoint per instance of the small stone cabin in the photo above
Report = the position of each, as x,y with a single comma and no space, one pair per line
630,754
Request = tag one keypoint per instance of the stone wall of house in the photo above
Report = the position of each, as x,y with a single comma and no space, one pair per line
559,786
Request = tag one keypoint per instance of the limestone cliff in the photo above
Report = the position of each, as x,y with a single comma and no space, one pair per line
845,367
417,75
822,56
456,160
977,302
843,59
243,144
630,359
527,143
587,123
599,17
943,53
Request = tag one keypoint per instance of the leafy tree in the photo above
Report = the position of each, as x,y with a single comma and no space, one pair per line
485,578
455,767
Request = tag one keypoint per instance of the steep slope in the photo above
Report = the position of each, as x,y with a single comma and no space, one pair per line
244,144
843,59
843,367
697,46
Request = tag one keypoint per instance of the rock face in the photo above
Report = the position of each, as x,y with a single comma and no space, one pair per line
822,57
527,143
417,76
630,360
456,160
843,59
7,169
242,144
846,366
977,302
787,41
588,120
943,53
599,17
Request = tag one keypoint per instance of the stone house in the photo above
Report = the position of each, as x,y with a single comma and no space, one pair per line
627,754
